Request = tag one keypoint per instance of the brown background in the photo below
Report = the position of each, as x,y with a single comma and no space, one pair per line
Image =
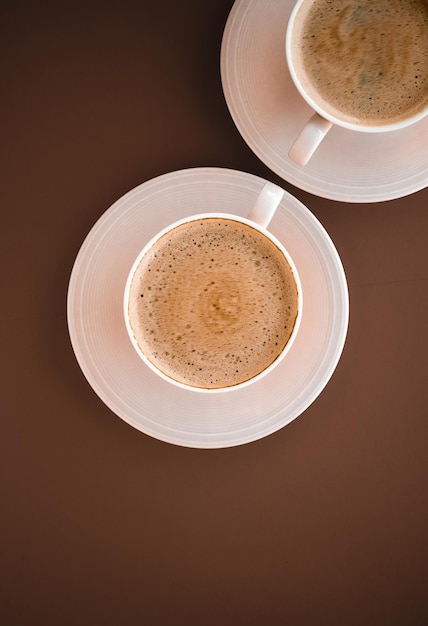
323,522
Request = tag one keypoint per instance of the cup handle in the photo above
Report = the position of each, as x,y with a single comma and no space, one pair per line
309,139
266,205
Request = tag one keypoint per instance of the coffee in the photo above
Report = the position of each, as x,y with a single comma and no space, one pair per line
364,61
213,303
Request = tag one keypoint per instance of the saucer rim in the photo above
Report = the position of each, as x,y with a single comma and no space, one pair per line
236,27
80,343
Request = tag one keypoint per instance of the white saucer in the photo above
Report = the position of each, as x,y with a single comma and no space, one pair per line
140,397
269,112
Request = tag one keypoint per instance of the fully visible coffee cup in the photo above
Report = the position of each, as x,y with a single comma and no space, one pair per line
213,302
360,64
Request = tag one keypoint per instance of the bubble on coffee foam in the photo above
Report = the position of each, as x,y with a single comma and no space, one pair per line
209,329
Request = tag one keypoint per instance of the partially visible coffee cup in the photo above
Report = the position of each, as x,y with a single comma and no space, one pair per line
358,63
214,301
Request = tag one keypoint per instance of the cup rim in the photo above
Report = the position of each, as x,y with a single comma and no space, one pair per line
144,251
367,128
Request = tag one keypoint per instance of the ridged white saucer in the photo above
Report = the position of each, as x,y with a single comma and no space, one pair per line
269,113
140,397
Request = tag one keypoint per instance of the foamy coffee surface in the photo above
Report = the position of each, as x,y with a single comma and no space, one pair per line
213,303
367,59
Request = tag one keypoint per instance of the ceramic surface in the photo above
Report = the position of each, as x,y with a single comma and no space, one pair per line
140,397
269,113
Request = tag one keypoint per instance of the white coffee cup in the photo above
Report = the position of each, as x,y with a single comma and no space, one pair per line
322,120
258,220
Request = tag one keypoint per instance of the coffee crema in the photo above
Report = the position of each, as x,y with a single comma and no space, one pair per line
364,61
213,303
